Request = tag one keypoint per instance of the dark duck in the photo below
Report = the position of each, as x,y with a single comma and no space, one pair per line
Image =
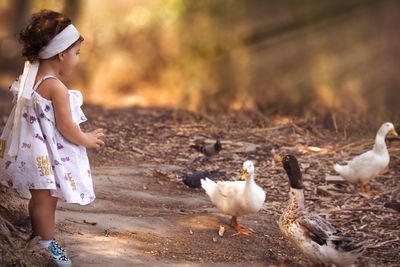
316,238
208,150
193,179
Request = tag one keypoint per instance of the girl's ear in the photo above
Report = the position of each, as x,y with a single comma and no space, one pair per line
61,56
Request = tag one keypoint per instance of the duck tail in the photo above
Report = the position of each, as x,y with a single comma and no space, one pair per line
345,251
197,147
340,258
341,169
208,185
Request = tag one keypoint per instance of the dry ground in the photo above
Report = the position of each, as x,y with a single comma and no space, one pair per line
145,215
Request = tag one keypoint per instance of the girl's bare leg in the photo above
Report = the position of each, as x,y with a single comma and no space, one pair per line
42,208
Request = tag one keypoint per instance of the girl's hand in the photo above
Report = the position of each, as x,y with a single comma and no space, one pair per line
93,138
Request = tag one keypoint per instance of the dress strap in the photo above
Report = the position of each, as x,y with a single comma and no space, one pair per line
42,80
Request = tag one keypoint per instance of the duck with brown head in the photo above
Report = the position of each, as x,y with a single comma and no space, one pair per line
312,235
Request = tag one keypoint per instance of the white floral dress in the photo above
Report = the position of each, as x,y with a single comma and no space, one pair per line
46,160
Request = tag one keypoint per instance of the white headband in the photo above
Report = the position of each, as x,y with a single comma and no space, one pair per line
58,44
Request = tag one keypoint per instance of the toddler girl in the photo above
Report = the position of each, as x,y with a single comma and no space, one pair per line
42,147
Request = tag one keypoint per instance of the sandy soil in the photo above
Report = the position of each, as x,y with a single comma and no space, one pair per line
143,221
145,216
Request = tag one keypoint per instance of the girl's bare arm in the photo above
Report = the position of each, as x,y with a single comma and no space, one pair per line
63,115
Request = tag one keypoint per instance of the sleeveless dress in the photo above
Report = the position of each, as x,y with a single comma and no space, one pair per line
46,160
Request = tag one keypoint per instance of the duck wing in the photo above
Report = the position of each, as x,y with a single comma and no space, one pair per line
369,164
363,160
231,189
318,229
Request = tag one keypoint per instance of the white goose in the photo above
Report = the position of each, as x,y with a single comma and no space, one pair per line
370,164
236,198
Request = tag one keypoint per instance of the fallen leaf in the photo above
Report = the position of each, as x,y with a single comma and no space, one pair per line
161,175
221,231
89,222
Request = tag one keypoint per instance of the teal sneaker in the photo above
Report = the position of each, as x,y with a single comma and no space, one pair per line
59,255
63,251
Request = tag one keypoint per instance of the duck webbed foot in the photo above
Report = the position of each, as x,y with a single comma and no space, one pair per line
364,189
240,228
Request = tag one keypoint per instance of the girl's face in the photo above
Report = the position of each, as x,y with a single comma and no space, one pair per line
69,59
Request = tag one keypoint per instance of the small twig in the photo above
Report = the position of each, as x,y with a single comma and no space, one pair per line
335,122
15,231
299,130
75,221
382,243
6,233
31,243
257,130
384,192
357,144
393,138
313,198
396,156
364,209
138,150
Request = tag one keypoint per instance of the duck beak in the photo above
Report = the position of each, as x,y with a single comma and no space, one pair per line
243,175
392,132
278,158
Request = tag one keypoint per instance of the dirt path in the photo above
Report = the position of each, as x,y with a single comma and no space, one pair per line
146,222
146,216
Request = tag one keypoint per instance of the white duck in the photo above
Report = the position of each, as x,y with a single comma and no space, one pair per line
368,165
236,198
312,235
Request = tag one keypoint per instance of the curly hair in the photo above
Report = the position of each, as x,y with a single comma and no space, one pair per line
43,26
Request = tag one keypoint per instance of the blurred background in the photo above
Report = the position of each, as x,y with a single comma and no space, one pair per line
334,61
